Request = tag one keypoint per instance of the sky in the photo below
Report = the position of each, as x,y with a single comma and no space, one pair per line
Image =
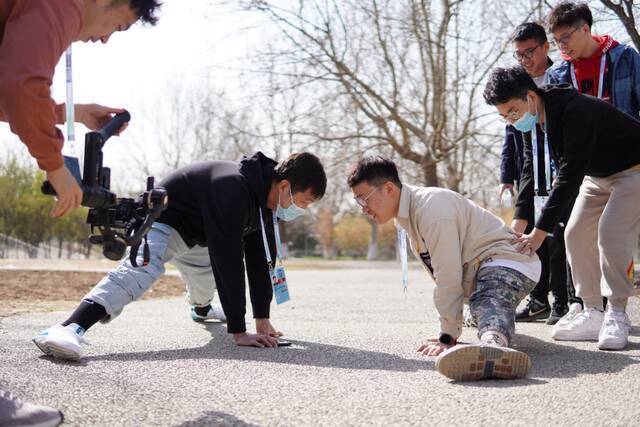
135,68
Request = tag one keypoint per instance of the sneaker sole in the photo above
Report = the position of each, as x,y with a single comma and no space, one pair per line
58,352
603,345
204,319
573,337
476,362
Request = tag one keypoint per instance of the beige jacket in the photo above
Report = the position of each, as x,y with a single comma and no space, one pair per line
452,236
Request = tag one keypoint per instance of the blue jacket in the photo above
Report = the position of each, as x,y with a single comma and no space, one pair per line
625,84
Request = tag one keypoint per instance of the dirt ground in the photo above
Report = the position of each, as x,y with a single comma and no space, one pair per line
28,290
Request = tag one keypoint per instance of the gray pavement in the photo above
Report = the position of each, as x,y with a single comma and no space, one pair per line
353,363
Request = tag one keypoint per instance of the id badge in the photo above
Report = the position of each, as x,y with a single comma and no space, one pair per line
279,283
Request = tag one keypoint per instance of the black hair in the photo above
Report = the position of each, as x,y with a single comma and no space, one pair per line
529,30
145,10
505,84
569,14
375,170
303,171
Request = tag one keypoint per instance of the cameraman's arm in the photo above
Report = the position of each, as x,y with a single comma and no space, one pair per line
32,44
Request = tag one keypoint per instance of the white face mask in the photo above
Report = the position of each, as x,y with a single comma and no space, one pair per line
290,213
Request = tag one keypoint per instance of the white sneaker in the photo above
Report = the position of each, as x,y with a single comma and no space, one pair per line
614,333
16,412
215,313
62,342
574,310
584,326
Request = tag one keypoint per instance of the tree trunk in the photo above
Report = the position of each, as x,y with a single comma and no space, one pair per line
430,170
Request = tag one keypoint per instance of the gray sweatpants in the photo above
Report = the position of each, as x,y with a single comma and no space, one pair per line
127,283
601,235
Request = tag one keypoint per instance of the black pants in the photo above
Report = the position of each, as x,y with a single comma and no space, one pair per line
555,275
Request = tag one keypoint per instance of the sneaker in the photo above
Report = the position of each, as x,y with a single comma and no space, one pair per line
533,311
614,334
574,310
62,342
557,311
584,326
215,313
482,361
16,412
468,319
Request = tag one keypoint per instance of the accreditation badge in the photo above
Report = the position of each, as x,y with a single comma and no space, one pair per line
279,283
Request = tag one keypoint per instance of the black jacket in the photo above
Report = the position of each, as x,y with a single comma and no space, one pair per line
216,204
587,136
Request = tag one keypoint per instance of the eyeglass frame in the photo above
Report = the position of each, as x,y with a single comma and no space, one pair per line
564,40
527,54
362,201
511,117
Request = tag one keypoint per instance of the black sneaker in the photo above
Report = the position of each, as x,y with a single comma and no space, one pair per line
557,311
533,311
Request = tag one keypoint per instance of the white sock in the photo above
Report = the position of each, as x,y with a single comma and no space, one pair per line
496,336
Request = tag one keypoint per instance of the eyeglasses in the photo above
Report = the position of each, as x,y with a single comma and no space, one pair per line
511,117
564,40
362,201
527,54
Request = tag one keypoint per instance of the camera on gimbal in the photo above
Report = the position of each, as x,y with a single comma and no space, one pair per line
121,222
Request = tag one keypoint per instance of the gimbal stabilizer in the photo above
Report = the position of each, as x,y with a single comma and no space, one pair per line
122,222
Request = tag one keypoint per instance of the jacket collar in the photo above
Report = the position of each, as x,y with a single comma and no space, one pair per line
405,203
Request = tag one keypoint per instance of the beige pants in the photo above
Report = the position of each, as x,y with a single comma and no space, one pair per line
601,236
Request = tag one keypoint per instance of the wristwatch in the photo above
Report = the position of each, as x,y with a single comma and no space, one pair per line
446,339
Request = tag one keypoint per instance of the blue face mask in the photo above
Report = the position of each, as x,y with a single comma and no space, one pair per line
290,213
527,123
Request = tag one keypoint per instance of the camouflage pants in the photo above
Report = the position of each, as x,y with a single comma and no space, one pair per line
498,292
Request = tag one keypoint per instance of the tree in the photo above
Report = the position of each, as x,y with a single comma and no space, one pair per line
625,11
407,68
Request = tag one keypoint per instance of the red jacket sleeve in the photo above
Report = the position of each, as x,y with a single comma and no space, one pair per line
36,34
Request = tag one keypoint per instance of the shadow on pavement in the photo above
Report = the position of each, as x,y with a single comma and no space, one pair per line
303,353
214,418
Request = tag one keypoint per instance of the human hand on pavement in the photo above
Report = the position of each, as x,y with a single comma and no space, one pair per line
255,340
94,116
433,347
264,326
68,192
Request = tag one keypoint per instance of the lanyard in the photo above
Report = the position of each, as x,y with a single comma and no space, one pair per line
547,161
276,231
71,133
402,247
603,63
